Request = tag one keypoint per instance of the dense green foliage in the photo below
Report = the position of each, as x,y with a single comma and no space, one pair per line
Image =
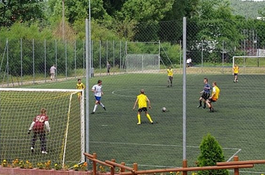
248,9
211,153
212,25
21,11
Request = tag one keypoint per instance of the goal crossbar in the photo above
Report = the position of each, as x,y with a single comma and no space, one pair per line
54,105
41,90
245,57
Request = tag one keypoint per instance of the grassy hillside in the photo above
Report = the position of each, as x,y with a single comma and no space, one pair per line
247,8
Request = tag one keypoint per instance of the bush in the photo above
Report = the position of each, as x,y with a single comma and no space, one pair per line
211,153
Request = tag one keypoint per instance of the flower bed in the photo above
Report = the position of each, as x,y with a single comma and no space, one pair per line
36,171
20,167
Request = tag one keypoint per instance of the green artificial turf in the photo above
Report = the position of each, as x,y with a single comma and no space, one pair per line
237,123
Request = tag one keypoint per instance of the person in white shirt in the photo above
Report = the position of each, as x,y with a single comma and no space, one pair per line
97,89
52,72
189,64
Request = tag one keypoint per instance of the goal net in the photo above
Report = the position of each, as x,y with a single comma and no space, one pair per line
142,63
65,141
142,57
250,64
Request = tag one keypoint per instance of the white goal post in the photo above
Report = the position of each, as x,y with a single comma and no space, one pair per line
142,57
65,142
142,63
250,64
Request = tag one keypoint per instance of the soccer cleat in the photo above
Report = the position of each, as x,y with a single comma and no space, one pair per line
199,106
138,123
152,122
32,149
92,112
204,107
44,152
104,108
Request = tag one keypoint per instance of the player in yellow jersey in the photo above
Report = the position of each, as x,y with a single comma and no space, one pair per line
236,70
170,76
80,85
214,97
142,101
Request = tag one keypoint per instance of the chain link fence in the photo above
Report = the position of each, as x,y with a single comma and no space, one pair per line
211,46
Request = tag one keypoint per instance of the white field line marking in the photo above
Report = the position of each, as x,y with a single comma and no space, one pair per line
146,144
113,92
233,155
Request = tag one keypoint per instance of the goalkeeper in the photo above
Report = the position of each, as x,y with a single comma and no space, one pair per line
40,126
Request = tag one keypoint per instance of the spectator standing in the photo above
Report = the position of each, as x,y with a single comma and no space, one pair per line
52,72
108,68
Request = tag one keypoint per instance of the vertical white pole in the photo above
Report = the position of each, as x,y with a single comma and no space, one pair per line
45,61
88,72
33,61
87,87
21,61
63,29
184,88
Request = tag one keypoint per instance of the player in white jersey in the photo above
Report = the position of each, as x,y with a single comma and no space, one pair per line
97,89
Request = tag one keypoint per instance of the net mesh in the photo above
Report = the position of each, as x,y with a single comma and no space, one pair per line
250,64
142,63
17,110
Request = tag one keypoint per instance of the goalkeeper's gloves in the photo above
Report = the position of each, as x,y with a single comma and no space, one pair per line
29,131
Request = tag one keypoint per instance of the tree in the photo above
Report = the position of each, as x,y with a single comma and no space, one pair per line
215,27
211,153
145,11
182,8
76,10
113,6
21,11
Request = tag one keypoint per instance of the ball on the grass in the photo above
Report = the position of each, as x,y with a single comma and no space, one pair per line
164,109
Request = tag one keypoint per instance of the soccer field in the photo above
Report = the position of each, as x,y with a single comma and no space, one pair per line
237,123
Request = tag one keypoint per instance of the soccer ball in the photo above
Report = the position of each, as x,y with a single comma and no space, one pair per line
164,109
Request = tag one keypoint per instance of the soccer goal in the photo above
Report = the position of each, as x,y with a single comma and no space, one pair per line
142,57
250,64
142,63
65,141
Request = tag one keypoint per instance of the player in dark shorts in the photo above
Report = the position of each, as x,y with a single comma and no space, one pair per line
40,127
205,93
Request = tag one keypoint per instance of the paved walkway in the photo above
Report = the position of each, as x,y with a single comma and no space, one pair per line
18,84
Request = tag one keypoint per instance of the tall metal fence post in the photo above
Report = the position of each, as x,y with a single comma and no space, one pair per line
7,61
202,42
21,61
56,55
84,59
33,61
75,58
65,54
113,54
120,56
45,60
223,56
100,65
184,89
